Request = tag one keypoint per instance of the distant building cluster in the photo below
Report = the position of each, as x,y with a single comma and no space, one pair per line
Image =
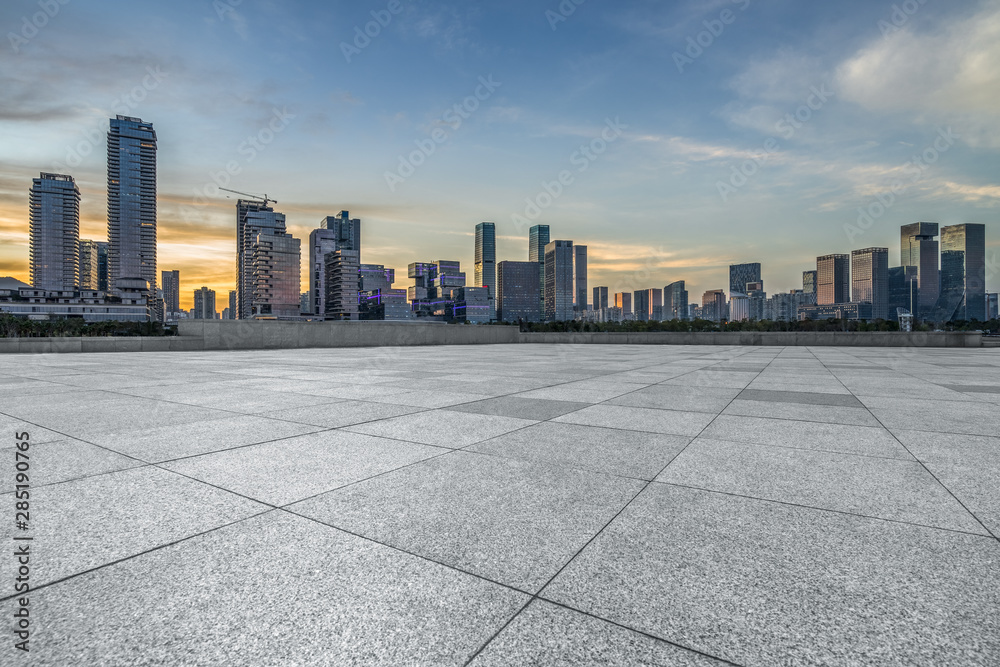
941,274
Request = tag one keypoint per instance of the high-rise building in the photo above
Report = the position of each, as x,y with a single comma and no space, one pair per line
963,273
713,305
204,304
54,229
870,280
580,279
517,292
675,301
373,277
739,307
171,281
741,274
756,301
322,242
559,281
904,291
342,284
132,203
486,261
538,238
648,305
89,278
623,302
348,230
832,279
918,247
471,304
809,285
103,273
600,298
268,263
233,307
992,306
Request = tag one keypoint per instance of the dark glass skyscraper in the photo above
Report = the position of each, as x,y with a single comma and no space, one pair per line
741,274
919,248
870,280
132,202
600,298
54,232
486,261
580,283
559,279
517,292
538,238
832,279
904,291
675,301
963,273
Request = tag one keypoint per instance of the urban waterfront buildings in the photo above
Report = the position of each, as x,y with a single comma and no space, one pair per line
559,281
54,232
870,280
132,204
517,292
486,261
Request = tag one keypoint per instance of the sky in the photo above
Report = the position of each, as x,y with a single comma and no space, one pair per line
671,138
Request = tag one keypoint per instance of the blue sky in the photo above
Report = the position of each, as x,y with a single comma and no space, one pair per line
659,198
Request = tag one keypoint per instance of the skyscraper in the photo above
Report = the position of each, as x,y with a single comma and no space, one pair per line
832,279
54,229
580,278
322,242
204,304
919,248
809,286
268,263
486,261
132,202
963,273
559,280
713,305
103,281
870,280
342,284
233,307
600,298
347,229
741,274
517,292
675,301
623,302
172,292
89,265
648,305
538,238
903,290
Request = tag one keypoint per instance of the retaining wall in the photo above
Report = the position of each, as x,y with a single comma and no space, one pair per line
274,335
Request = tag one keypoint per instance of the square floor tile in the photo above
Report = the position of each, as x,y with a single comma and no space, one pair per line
673,422
524,408
443,428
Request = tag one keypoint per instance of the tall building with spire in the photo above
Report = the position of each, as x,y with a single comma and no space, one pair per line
54,232
132,204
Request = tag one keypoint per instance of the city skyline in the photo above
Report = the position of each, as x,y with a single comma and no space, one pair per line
801,202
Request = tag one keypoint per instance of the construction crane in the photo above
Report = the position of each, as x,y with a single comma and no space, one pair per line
265,198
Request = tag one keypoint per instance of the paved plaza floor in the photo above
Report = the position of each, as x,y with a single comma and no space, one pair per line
506,505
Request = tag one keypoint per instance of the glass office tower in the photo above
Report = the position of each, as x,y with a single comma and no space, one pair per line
172,291
904,291
486,262
268,263
538,238
963,273
741,274
54,232
600,298
580,290
517,292
918,247
132,203
559,280
675,301
832,279
870,280
89,265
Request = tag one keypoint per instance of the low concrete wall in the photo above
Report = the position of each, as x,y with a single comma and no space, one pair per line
274,335
780,338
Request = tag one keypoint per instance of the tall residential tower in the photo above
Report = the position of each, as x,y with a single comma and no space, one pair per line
54,231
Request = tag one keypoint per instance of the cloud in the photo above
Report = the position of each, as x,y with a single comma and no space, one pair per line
951,76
